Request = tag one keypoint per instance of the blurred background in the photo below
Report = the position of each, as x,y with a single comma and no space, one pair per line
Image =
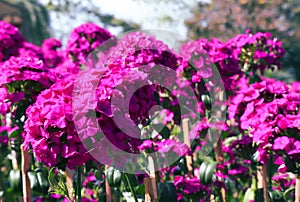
222,19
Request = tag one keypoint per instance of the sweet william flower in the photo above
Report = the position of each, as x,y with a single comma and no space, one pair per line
283,181
190,187
238,170
83,39
51,56
294,150
11,40
50,129
5,103
25,68
271,118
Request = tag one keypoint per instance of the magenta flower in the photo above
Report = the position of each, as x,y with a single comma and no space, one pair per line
10,38
238,170
50,129
84,39
25,68
270,116
51,56
189,187
5,103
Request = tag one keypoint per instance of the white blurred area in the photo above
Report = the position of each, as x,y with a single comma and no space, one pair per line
166,15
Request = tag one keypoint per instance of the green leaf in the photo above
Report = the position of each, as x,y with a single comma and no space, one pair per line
202,170
210,170
10,194
140,190
169,193
14,134
15,180
43,181
57,182
259,195
52,178
275,195
162,130
249,195
34,183
287,192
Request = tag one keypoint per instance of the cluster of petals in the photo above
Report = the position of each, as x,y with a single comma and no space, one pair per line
245,52
190,186
25,68
84,39
50,130
10,40
269,110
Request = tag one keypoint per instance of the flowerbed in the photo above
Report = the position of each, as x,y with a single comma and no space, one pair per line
58,103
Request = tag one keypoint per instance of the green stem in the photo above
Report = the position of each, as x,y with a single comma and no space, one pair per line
206,114
79,184
130,187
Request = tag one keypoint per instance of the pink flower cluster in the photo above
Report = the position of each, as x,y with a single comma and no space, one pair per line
283,181
50,130
243,53
52,57
164,146
192,188
49,127
7,99
84,39
25,68
119,73
266,112
238,160
23,73
10,40
269,110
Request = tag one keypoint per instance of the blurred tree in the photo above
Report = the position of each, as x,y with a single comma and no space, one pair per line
29,15
225,19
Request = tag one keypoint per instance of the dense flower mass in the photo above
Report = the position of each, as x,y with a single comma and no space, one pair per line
244,53
52,57
84,39
10,40
71,109
50,123
191,186
50,129
120,73
270,111
25,68
21,80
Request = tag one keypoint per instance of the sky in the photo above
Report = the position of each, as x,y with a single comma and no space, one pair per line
147,14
